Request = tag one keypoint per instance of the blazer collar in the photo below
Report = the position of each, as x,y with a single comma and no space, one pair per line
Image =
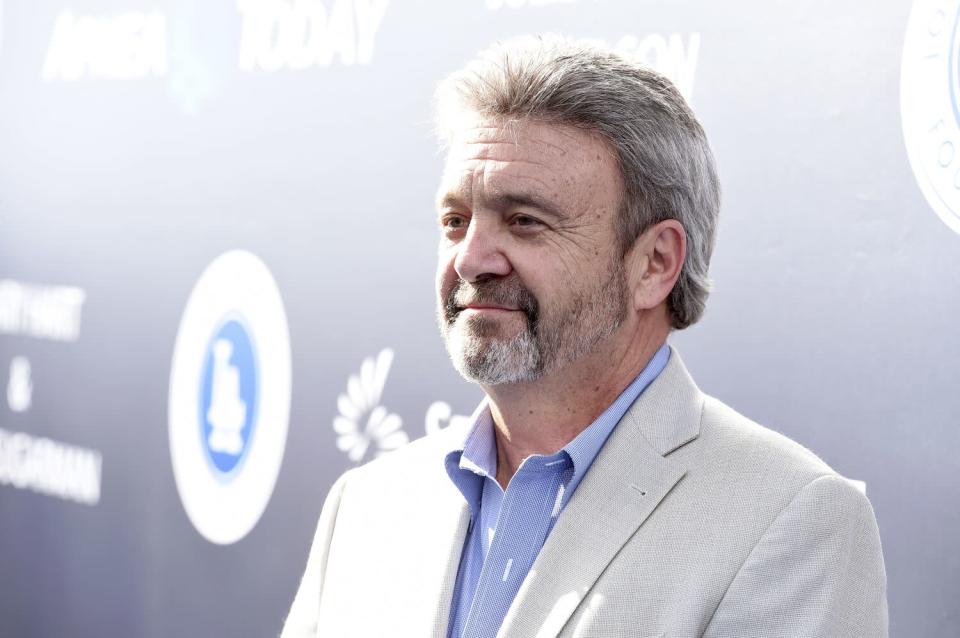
444,532
627,480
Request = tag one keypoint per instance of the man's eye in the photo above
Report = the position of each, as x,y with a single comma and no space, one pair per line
525,221
454,222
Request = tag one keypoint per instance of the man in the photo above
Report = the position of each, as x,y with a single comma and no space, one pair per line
597,491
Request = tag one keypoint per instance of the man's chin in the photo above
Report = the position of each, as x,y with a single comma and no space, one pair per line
493,361
486,332
483,373
466,346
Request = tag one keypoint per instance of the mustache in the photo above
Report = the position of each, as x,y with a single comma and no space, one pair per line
508,292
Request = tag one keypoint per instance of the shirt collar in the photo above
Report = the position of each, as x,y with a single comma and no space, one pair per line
474,457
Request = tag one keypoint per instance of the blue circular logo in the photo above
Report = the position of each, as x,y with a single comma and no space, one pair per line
228,397
229,406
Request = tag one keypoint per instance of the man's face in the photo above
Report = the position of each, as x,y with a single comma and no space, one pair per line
530,276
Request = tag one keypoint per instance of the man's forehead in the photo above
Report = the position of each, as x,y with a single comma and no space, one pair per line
522,147
486,138
505,179
525,160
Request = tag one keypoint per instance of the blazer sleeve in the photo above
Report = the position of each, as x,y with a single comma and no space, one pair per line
302,620
816,572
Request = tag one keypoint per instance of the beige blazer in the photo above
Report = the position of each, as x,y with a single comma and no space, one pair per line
692,521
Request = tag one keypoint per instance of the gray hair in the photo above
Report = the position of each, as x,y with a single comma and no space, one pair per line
666,163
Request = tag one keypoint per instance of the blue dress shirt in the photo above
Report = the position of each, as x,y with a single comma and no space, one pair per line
508,528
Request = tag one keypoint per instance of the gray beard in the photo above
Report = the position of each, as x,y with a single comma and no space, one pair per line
492,361
546,342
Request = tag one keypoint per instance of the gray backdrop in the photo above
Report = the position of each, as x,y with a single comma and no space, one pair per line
132,155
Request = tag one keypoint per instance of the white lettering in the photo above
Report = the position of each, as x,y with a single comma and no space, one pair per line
682,63
48,467
127,46
667,55
300,34
19,385
369,16
945,154
493,5
42,312
936,25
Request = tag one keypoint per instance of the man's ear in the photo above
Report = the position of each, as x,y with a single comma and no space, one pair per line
654,262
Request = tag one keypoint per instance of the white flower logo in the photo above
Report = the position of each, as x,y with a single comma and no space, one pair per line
383,429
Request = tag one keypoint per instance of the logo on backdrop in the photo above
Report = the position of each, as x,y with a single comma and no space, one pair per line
674,56
229,402
930,103
516,4
303,34
126,46
440,416
363,425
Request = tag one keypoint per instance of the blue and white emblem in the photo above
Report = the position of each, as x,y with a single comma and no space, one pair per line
930,103
229,402
228,397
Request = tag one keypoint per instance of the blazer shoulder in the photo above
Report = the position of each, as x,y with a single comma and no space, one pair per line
736,442
419,460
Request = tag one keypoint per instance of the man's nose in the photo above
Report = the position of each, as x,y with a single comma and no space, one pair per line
481,253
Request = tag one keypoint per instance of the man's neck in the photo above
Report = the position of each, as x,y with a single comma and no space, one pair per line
542,416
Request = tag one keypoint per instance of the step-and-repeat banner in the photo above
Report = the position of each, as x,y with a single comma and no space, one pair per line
217,246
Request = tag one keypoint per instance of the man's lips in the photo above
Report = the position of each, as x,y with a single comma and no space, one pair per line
488,307
485,309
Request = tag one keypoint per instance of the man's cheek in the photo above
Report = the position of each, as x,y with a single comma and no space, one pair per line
446,286
448,303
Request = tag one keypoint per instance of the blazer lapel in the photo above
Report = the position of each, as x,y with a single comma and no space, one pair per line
626,482
446,538
442,539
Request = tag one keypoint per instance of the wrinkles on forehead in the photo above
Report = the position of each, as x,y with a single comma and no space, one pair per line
508,132
513,138
523,163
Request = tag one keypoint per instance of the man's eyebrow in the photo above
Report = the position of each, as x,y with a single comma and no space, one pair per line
506,201
449,201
